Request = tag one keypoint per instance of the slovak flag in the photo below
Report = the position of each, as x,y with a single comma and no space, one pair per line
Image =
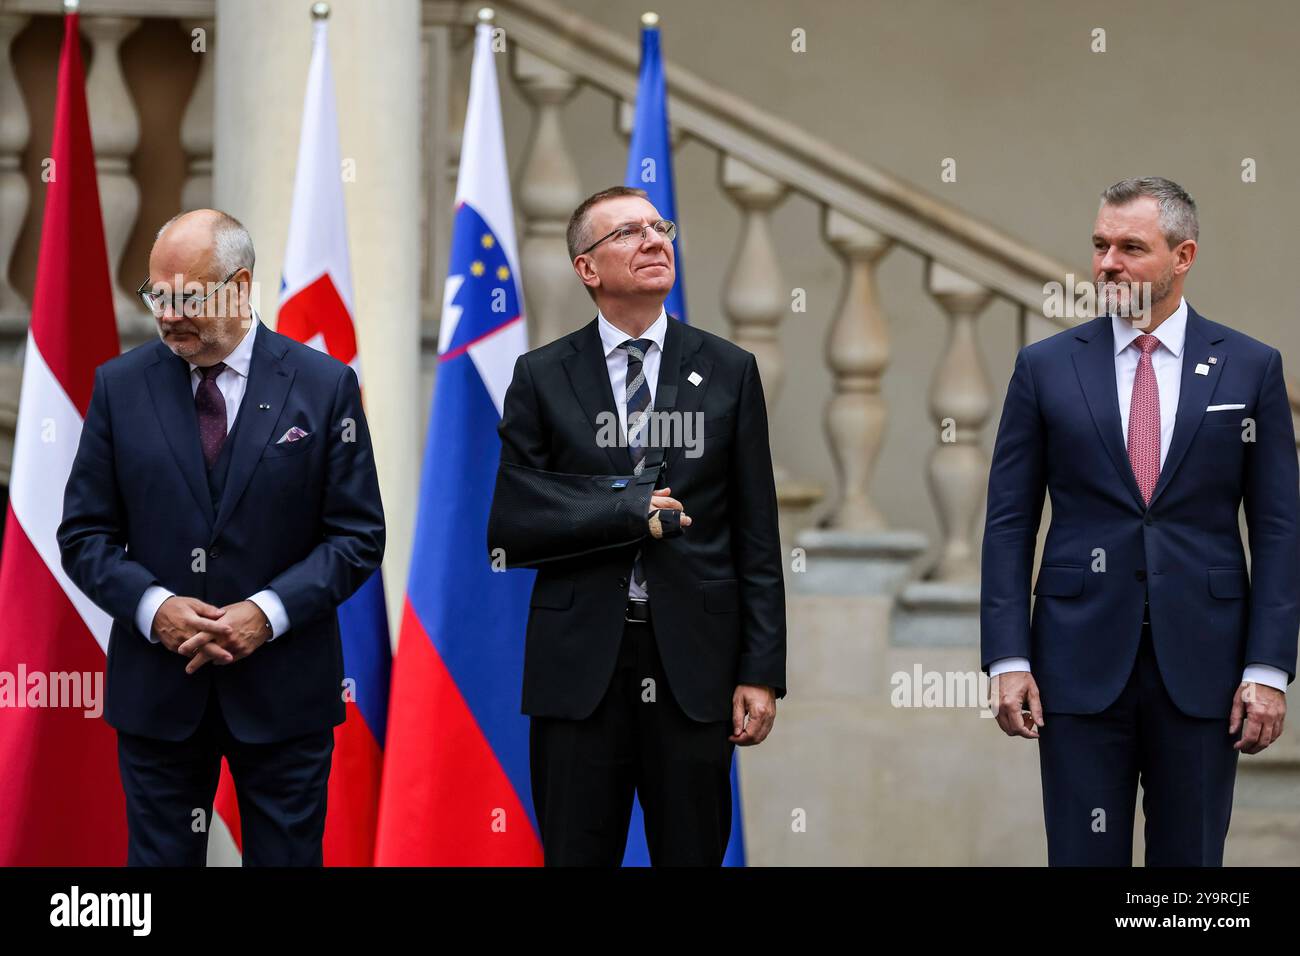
456,788
316,307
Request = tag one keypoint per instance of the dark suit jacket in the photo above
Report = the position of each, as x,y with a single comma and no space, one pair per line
716,592
1061,432
303,518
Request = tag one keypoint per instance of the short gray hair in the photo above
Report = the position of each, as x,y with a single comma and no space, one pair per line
232,245
1177,208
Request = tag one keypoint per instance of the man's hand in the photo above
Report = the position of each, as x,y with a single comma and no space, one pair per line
1010,693
758,702
248,630
1265,710
186,622
659,499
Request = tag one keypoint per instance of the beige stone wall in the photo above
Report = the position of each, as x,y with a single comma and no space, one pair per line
1038,126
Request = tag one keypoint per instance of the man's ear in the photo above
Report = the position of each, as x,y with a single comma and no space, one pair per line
586,271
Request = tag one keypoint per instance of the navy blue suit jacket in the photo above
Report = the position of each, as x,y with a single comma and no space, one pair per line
303,518
1061,433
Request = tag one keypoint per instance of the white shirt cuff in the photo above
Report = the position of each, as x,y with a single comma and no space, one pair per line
147,609
1265,674
273,608
1005,664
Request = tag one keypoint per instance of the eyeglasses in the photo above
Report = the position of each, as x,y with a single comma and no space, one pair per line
626,231
188,305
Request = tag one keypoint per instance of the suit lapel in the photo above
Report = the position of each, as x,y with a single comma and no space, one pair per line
681,346
172,395
589,375
1094,363
268,384
1193,394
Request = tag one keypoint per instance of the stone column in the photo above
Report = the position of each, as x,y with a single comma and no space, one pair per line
261,76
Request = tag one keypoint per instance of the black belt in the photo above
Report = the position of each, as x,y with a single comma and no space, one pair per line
638,612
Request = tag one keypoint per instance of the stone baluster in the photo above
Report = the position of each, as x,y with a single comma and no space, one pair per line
548,191
115,129
960,400
197,124
14,132
754,298
857,352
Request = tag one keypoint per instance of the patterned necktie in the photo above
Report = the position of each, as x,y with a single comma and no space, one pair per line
1144,421
638,405
211,406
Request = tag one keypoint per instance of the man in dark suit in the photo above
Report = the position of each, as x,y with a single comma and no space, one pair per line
656,640
1158,659
223,502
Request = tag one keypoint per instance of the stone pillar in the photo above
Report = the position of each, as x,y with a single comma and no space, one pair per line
261,76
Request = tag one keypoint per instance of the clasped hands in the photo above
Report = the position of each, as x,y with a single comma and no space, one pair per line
205,633
1258,710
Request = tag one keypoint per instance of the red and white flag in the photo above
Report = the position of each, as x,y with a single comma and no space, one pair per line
316,308
61,800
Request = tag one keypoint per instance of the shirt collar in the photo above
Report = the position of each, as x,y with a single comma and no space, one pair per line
241,357
1171,333
612,337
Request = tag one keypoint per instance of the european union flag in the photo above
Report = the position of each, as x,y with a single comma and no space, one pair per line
650,167
649,159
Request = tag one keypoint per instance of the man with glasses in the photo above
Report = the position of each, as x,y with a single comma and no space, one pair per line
656,639
222,503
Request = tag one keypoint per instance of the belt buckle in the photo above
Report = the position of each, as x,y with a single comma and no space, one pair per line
637,620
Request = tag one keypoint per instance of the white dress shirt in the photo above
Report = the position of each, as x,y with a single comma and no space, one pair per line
616,362
1167,363
231,382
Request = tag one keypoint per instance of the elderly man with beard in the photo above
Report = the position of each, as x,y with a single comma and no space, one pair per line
223,502
1156,656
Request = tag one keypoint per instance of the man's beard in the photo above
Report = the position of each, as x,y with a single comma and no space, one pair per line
208,338
1119,299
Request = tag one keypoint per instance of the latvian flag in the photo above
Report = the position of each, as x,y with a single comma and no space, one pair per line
316,307
61,800
456,779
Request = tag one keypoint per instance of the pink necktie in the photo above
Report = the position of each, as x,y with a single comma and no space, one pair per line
1144,421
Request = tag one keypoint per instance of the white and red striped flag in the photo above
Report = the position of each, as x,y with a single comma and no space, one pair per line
316,308
61,800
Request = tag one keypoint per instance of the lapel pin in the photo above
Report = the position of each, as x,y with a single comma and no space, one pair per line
695,378
1202,369
1213,360
264,407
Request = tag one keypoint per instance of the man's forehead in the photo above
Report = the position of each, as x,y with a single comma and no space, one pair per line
622,209
166,262
1140,216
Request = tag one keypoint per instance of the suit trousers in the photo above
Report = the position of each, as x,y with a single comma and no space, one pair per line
281,788
638,740
1092,764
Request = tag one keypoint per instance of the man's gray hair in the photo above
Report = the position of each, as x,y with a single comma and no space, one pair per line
1177,208
231,243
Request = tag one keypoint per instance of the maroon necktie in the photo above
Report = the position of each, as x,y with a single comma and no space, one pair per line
1144,421
211,406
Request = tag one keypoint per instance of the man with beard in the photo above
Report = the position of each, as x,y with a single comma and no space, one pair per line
223,502
1156,656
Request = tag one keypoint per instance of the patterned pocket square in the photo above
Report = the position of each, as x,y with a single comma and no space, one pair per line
293,434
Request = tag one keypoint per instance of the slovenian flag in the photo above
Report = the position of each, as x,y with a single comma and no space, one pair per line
650,167
316,307
456,788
